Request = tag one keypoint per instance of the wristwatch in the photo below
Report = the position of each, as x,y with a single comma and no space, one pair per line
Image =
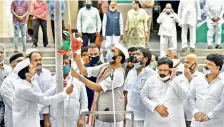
80,77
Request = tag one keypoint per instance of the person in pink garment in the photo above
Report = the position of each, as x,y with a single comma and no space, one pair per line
39,9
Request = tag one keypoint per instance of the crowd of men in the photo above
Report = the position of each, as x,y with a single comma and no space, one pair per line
162,92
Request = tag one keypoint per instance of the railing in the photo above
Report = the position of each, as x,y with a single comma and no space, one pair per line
108,113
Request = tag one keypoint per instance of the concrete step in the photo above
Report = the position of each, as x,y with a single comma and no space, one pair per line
45,60
46,52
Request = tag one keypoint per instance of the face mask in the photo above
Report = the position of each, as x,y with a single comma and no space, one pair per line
88,6
66,69
113,9
134,7
168,11
137,65
38,68
111,57
207,71
94,60
131,59
164,77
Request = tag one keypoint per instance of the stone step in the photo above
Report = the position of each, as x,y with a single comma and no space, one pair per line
45,60
46,52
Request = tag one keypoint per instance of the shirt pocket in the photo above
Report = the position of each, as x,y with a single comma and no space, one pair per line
139,84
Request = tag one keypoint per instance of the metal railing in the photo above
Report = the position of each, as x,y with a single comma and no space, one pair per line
108,113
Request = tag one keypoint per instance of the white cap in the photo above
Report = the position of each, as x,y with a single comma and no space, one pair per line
28,51
123,49
21,65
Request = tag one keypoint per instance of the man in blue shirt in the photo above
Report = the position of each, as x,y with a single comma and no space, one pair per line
51,9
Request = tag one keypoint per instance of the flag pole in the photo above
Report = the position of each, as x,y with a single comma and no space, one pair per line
59,60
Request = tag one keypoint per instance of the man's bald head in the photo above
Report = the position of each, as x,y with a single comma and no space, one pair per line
191,62
192,57
168,6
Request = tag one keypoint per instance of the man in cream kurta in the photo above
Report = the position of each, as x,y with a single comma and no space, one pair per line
110,78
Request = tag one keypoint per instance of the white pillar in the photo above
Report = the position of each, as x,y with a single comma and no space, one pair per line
59,73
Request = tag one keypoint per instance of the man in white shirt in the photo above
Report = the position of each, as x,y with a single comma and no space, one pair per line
44,81
189,12
167,31
133,85
112,28
109,85
215,13
207,95
190,72
5,70
8,88
88,23
164,98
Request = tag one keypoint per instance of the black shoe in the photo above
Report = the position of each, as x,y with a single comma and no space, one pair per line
209,47
34,45
192,49
218,47
183,49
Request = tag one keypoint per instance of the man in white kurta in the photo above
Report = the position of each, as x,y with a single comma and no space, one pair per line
28,96
167,31
207,95
112,26
133,85
190,72
215,12
73,105
189,12
44,82
8,88
163,98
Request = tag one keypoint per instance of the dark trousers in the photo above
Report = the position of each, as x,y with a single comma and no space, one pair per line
36,24
2,123
188,123
86,37
53,31
42,123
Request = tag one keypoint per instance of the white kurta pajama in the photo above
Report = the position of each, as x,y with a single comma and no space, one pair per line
189,12
44,83
169,94
167,31
72,110
111,40
25,104
182,80
209,99
7,92
133,85
214,9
